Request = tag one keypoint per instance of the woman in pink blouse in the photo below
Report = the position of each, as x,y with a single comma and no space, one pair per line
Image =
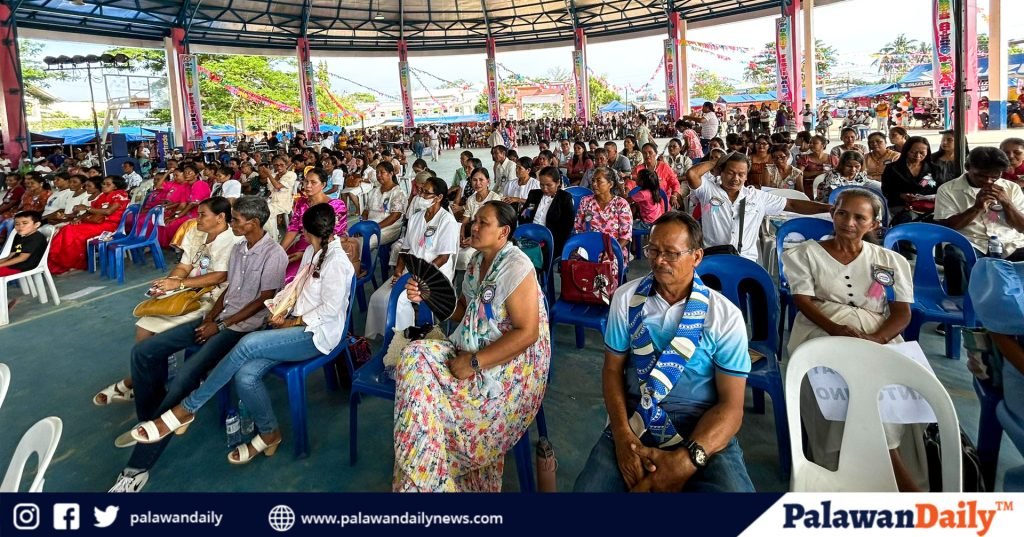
181,202
294,242
579,163
604,212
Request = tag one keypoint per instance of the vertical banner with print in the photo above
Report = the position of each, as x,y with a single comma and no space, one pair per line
579,64
493,105
162,139
783,60
307,83
943,54
408,120
671,80
193,111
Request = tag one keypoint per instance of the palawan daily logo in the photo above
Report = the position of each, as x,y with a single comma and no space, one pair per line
963,515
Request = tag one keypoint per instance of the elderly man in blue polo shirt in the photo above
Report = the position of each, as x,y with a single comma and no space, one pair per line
674,376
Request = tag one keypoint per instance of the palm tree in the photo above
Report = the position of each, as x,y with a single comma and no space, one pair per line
895,58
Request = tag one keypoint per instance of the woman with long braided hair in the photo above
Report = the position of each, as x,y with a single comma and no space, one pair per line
308,319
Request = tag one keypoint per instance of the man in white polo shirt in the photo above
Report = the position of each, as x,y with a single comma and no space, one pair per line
979,204
724,203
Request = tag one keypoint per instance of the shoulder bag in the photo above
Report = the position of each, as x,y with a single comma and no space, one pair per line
729,249
589,282
173,305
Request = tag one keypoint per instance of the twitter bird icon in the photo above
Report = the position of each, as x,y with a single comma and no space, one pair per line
105,517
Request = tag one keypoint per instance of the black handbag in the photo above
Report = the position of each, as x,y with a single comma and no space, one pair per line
729,249
971,466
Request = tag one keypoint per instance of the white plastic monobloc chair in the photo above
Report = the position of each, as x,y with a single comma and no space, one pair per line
41,439
787,193
37,275
867,367
5,382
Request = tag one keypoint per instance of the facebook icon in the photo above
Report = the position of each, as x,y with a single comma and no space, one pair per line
65,516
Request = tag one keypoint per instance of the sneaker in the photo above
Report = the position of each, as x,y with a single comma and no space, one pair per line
130,480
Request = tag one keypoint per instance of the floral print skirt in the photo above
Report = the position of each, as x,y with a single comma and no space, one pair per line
449,437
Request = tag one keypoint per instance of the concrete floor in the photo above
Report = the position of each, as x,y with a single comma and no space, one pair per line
60,356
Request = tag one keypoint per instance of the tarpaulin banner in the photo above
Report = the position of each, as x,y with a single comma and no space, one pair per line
190,82
783,59
161,149
492,82
408,120
307,80
671,78
943,57
579,72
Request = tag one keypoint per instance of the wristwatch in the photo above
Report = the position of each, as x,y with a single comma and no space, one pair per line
474,363
697,454
221,326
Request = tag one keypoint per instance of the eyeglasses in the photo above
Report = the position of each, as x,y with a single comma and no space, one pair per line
427,195
671,257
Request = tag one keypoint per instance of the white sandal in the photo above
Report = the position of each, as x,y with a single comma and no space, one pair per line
117,392
260,447
153,433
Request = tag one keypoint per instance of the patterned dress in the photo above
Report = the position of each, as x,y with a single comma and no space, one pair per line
615,219
451,435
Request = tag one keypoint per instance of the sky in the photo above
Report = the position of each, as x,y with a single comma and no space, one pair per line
855,28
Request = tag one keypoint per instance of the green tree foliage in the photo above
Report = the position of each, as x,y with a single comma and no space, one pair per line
708,85
601,93
33,73
361,97
897,57
504,97
761,70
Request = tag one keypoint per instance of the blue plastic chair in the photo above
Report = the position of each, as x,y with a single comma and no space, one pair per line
372,380
295,373
541,234
143,236
96,247
812,229
577,193
749,286
640,233
367,229
929,293
585,315
878,194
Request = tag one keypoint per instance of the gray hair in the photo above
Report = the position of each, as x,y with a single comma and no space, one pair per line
253,208
863,193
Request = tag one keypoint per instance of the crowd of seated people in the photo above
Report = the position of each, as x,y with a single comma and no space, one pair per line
266,228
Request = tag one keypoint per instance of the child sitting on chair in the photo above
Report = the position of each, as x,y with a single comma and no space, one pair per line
28,247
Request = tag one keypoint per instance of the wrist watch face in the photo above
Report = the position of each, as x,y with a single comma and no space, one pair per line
474,363
700,458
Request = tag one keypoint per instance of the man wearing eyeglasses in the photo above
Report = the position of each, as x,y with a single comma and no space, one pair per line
980,205
674,376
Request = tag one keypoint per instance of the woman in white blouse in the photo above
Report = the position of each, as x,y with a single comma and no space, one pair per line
432,234
480,183
308,319
516,191
386,204
840,288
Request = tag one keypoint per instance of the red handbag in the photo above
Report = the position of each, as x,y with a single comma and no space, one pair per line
590,282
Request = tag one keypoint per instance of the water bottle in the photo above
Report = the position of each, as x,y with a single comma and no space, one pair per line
995,247
172,366
233,428
246,420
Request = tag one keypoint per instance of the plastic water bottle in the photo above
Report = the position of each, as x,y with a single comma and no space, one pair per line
246,420
233,428
172,366
995,247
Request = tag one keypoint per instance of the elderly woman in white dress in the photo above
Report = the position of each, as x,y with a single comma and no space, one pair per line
481,193
840,287
386,204
432,234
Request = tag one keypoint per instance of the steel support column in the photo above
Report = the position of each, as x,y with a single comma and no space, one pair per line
998,52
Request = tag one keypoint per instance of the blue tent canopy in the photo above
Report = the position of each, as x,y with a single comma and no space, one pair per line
470,118
88,136
872,90
921,75
614,107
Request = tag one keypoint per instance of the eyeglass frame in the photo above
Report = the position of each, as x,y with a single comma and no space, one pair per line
670,257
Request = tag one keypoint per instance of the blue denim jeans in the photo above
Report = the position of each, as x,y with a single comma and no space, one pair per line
248,363
153,394
726,471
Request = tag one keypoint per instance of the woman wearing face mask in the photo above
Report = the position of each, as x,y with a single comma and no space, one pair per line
839,288
386,204
909,184
878,156
780,173
461,404
480,182
294,241
849,172
432,234
550,206
67,248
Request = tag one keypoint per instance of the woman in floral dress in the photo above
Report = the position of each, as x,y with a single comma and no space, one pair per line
463,402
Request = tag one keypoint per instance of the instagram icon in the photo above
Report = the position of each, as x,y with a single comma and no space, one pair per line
26,516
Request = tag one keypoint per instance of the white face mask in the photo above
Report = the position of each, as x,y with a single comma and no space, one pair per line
420,204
